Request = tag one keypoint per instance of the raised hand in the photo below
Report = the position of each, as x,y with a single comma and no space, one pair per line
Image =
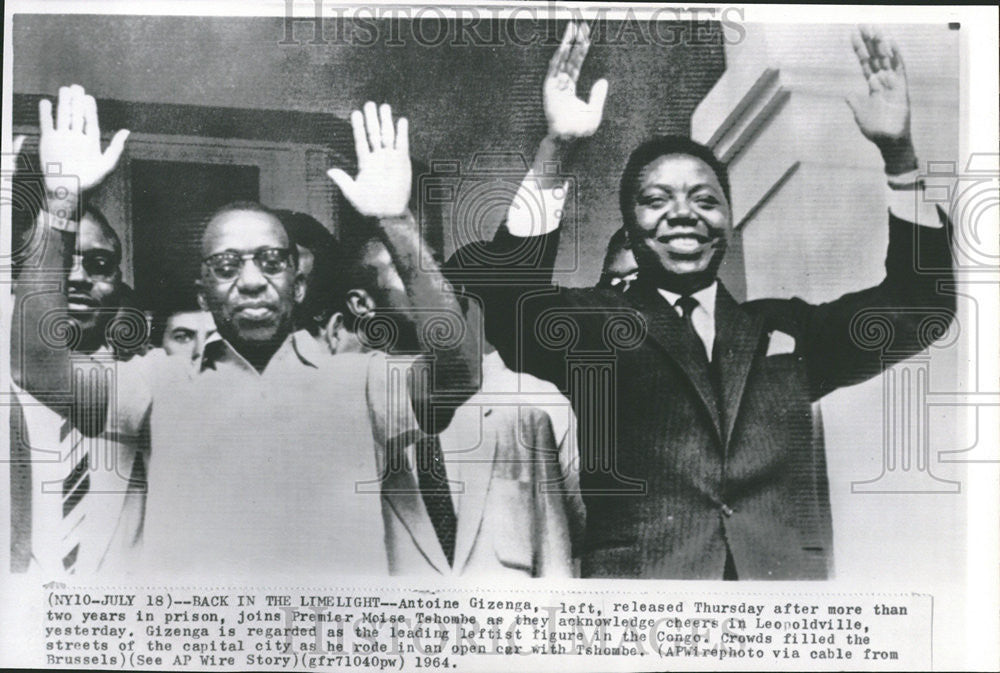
569,117
382,187
883,115
73,143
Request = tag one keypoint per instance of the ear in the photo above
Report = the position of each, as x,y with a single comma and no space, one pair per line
360,303
629,243
202,304
299,288
331,331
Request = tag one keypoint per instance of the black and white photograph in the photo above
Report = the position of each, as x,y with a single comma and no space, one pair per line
499,336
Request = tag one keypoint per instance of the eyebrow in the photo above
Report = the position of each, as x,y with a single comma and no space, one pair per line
668,188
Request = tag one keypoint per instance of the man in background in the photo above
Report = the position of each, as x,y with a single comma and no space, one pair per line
499,493
319,255
180,327
620,269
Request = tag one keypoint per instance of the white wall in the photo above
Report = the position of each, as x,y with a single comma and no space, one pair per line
823,233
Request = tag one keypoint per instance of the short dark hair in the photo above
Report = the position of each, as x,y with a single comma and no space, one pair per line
257,207
618,242
304,229
322,286
182,299
661,146
109,232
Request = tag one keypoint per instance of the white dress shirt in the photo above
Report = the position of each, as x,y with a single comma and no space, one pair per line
703,316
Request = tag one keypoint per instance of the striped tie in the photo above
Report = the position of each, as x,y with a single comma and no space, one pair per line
75,487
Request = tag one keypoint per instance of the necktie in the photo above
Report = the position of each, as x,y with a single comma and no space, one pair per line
687,304
436,493
75,487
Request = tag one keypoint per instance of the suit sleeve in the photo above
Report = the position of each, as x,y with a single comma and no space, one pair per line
859,335
513,278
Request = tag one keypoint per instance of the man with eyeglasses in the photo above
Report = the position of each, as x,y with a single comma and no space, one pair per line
264,458
76,492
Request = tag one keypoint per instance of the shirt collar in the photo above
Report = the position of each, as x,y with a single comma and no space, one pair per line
492,364
300,343
705,297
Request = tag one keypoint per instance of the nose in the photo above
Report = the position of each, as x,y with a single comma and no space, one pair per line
76,274
250,280
679,210
199,346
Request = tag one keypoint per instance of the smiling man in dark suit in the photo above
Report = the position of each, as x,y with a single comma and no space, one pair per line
697,459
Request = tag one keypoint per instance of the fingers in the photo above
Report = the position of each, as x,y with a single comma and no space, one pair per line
403,136
114,151
598,94
45,115
558,60
373,129
90,125
372,125
897,57
579,52
63,107
344,183
77,105
388,133
861,51
881,50
361,147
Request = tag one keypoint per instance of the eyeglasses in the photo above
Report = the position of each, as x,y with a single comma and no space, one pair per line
227,265
98,263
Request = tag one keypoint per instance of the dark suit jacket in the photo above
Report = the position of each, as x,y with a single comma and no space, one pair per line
672,471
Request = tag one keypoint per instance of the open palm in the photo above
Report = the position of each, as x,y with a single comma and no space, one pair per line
883,115
567,115
70,148
382,186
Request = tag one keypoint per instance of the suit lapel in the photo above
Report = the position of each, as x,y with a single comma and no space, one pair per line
667,329
474,470
400,489
737,335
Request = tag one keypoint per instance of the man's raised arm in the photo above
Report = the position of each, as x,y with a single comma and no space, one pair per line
568,119
523,252
914,300
382,190
72,162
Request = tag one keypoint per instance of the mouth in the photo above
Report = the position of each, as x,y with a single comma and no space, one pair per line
80,302
684,243
256,312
